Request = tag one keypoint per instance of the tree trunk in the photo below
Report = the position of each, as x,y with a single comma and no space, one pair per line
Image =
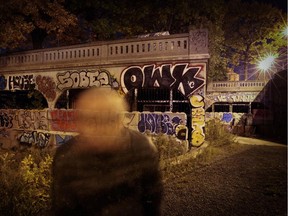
38,35
245,70
246,63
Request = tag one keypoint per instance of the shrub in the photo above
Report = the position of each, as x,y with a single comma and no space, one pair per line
25,183
218,134
168,146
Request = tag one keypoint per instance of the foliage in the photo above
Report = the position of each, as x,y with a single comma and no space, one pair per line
237,32
168,146
218,134
25,183
31,99
251,32
21,20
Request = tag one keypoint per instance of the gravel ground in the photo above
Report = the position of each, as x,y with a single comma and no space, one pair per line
239,180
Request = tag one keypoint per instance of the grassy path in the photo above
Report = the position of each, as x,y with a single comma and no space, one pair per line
234,180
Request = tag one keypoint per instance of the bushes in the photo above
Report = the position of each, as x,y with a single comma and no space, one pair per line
218,134
25,183
168,146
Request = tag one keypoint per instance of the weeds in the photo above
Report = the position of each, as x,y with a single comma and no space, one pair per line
25,183
217,134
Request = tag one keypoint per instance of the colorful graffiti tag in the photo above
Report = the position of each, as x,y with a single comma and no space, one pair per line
34,138
85,79
168,123
47,86
198,120
61,139
63,120
179,76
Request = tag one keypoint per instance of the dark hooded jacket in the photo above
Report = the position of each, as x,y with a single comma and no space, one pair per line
125,182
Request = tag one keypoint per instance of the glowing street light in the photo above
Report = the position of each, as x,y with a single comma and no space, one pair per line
285,31
267,62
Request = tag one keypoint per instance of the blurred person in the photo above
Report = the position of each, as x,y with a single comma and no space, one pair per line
107,169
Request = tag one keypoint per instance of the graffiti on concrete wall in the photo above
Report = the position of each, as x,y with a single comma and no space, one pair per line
63,120
61,139
4,132
32,119
226,117
38,139
157,122
21,82
17,82
198,120
179,76
85,79
3,82
232,97
46,86
6,120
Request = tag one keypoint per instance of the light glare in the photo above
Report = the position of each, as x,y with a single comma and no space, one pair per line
267,63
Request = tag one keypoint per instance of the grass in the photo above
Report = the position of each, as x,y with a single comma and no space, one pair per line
25,174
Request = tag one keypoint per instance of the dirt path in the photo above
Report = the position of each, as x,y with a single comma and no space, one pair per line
243,180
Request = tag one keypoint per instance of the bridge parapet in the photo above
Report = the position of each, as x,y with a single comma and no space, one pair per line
229,86
192,45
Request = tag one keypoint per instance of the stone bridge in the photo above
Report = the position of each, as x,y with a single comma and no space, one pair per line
165,74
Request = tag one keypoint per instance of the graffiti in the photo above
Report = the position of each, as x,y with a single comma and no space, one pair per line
25,119
6,120
162,123
198,120
198,41
40,120
32,119
232,97
63,120
61,139
227,117
46,85
21,82
180,76
3,82
85,79
4,133
34,138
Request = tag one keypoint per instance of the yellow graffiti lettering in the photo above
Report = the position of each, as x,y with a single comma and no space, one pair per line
197,101
198,137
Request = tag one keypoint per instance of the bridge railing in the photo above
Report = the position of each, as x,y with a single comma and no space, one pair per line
127,50
235,86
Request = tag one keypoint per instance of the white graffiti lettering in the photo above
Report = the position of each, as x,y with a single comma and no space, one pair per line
85,79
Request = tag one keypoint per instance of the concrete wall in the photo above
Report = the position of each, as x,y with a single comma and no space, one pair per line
172,62
55,126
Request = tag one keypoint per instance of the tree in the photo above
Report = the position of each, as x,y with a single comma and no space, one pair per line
181,14
251,29
24,20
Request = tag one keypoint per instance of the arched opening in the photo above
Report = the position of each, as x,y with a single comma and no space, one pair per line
68,98
31,99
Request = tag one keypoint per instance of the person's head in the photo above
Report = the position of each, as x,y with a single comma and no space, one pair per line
100,112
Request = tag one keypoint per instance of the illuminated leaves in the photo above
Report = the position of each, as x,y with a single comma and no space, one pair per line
252,29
